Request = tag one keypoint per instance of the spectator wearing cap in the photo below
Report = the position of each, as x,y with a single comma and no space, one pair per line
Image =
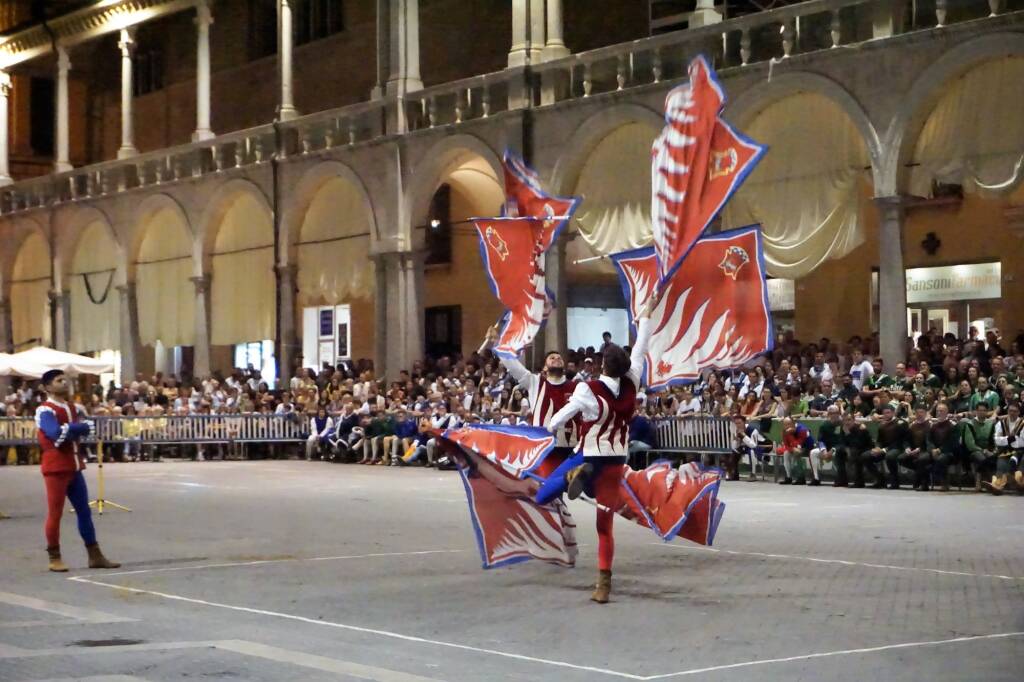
586,372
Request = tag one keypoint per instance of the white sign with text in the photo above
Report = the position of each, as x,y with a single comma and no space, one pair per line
954,283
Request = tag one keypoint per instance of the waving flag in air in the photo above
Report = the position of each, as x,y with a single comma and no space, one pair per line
698,161
495,464
515,270
714,312
524,198
513,248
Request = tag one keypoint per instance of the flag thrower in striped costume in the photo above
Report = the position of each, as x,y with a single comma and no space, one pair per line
698,161
713,313
513,246
503,467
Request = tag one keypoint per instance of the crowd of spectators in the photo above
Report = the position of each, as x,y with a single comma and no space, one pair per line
354,416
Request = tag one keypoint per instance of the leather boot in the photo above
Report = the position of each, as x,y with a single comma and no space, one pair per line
56,565
97,560
996,485
603,589
577,479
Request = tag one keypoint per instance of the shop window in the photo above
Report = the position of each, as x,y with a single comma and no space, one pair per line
257,355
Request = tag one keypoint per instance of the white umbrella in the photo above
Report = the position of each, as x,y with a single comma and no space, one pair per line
12,366
48,358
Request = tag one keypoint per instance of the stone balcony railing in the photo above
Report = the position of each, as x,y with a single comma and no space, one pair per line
771,36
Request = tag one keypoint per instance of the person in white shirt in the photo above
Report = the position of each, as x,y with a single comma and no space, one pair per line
861,370
1009,441
689,406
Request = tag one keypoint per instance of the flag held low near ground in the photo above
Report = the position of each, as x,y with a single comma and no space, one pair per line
714,312
503,467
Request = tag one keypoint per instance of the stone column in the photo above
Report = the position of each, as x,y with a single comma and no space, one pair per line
537,30
201,343
60,304
203,20
163,359
287,342
556,330
554,46
404,48
400,281
6,327
705,14
383,49
127,45
892,282
518,54
5,90
61,160
286,109
380,319
130,346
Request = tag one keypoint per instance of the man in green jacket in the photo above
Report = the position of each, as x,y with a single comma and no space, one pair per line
829,440
890,444
855,444
979,441
985,394
381,426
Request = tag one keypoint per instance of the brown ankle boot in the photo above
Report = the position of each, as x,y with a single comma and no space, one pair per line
603,589
97,560
56,565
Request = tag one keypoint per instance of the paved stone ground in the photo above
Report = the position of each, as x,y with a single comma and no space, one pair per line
287,570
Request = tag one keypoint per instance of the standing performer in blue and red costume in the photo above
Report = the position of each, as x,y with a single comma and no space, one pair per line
62,466
606,405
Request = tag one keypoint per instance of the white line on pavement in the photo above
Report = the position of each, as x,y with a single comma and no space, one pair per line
75,612
331,665
838,561
826,654
260,562
356,628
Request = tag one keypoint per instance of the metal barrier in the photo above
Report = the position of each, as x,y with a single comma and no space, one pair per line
694,434
174,430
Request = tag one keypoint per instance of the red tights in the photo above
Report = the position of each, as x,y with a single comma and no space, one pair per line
606,484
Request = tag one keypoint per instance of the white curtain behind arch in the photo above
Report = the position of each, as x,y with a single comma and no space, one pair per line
334,247
805,192
615,183
165,296
975,134
30,287
244,288
95,302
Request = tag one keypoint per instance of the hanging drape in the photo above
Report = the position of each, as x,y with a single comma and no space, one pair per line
805,192
244,288
30,287
334,247
164,294
95,302
975,134
615,183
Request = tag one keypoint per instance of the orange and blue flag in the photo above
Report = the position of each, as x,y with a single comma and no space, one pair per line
698,161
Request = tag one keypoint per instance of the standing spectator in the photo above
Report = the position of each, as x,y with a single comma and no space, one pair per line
860,370
606,341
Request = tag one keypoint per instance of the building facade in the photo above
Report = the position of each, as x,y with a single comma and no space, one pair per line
290,185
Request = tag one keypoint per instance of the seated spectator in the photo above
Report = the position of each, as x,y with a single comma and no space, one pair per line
321,428
916,455
1009,442
890,445
943,442
748,442
855,446
829,439
405,434
797,443
641,438
978,436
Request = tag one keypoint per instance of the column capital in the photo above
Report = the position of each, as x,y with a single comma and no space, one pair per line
125,289
127,42
204,16
202,284
63,59
56,296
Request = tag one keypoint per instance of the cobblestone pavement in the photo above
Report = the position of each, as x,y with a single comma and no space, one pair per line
288,570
